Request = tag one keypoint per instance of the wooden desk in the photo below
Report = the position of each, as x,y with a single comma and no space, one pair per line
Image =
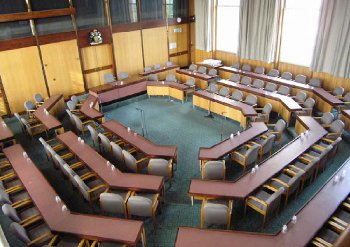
208,66
225,147
119,89
83,226
162,72
345,117
235,110
6,133
250,182
324,100
310,219
202,80
115,179
54,105
147,147
284,105
171,89
91,109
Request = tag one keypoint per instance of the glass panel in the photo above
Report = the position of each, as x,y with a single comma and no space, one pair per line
152,9
229,2
90,13
12,6
48,4
54,25
123,11
177,8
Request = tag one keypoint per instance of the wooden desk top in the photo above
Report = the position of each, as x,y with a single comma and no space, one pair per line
346,113
175,85
288,102
91,112
267,169
115,179
209,65
195,74
147,147
247,110
6,133
117,84
85,226
309,220
49,121
329,98
225,147
162,69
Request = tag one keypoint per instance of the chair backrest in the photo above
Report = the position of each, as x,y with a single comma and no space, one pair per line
257,83
251,100
280,126
236,65
235,78
4,197
338,91
19,232
26,125
29,105
327,118
246,80
83,188
70,117
309,103
10,212
271,87
140,206
259,70
71,105
108,78
123,75
252,154
190,81
315,82
267,108
337,126
274,201
105,142
77,122
130,161
224,91
50,152
287,75
157,66
202,69
70,174
147,69
169,63
216,212
153,77
214,170
93,134
301,97
300,78
237,95
267,144
58,161
247,67
274,73
284,90
112,202
213,72
171,77
347,97
38,98
117,151
212,88
192,67
19,119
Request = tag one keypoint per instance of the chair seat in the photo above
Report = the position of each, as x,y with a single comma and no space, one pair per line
28,212
328,235
38,231
19,196
141,204
343,215
158,167
262,195
68,242
113,201
283,177
11,183
243,151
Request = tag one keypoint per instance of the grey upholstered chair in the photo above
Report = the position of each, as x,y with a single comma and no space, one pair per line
171,77
263,113
39,100
156,66
21,215
340,220
67,240
133,164
327,236
315,82
153,77
265,201
237,95
147,69
246,81
335,129
287,75
346,99
271,87
37,235
114,201
266,144
224,91
326,119
257,83
161,167
246,155
306,165
251,100
236,65
19,119
259,70
117,152
247,67
108,78
143,204
213,72
33,130
214,170
105,143
300,79
284,90
169,63
308,107
274,73
90,187
82,126
338,91
216,212
123,75
75,99
235,78
212,88
278,129
192,67
30,108
300,97
94,136
202,70
71,105
191,82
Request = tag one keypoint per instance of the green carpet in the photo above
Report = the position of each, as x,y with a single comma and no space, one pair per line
173,123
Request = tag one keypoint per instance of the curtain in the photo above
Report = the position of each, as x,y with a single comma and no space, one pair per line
120,11
203,22
152,9
258,29
332,49
180,8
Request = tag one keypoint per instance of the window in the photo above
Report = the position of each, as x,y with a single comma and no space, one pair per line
176,8
227,25
152,9
299,31
123,11
90,13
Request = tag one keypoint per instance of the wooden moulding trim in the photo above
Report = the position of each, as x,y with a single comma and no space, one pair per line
56,37
184,20
127,27
36,14
178,54
89,71
17,43
83,36
153,23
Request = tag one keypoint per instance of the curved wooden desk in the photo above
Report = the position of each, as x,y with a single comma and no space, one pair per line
6,133
83,226
91,109
165,88
310,219
162,72
201,80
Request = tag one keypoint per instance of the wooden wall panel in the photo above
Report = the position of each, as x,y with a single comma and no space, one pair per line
201,55
22,76
95,57
3,110
256,63
180,38
294,69
155,46
180,60
62,67
330,81
128,52
226,57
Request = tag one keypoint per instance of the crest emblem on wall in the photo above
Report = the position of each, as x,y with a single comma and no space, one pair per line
95,37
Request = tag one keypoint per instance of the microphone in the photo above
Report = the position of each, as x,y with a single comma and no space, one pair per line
139,109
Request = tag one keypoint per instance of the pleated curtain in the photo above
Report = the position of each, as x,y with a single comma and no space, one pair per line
203,24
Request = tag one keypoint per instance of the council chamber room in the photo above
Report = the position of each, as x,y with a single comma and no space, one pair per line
187,123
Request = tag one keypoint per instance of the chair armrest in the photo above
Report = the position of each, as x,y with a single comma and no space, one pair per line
270,187
239,154
274,196
326,125
322,241
303,158
141,160
280,181
297,168
30,220
328,140
31,110
333,134
88,175
290,172
257,200
155,201
97,187
318,147
40,238
37,125
317,117
271,125
88,122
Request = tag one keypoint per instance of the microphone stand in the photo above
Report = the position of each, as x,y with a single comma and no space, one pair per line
210,115
143,121
222,125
